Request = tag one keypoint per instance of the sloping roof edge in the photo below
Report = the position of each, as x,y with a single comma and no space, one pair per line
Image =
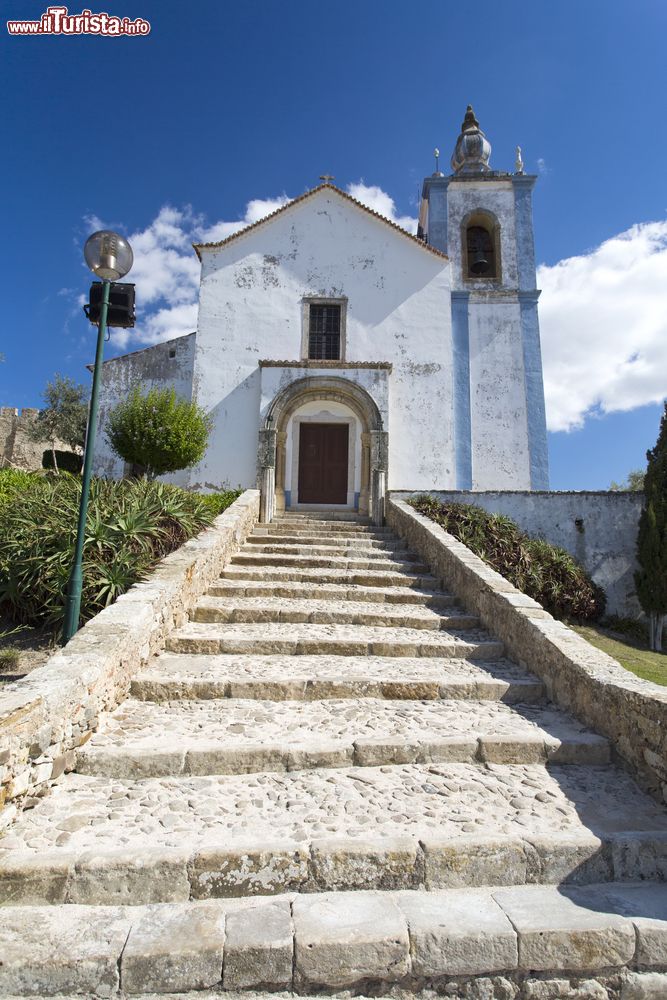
303,197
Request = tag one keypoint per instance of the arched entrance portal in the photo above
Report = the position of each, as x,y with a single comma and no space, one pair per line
273,441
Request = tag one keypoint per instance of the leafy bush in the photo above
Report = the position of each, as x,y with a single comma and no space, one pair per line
546,573
131,524
13,482
158,431
215,503
65,461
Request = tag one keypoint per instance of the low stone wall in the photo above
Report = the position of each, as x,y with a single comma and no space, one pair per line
630,712
55,709
598,528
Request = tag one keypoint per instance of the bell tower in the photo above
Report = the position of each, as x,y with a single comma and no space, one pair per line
482,219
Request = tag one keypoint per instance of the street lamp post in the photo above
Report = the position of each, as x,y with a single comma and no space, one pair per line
109,257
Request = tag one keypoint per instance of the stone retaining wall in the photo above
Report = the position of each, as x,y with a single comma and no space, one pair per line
630,712
598,528
55,709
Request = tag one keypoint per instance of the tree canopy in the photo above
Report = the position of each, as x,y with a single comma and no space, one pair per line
158,431
651,578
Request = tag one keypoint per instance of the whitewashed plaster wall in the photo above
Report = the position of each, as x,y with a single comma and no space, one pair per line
398,310
498,417
164,366
498,408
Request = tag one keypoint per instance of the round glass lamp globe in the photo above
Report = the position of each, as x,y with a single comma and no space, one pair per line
108,255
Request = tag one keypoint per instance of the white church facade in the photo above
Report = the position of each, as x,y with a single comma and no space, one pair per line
340,356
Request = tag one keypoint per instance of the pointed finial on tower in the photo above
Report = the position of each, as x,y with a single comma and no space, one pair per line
469,122
473,149
437,172
518,164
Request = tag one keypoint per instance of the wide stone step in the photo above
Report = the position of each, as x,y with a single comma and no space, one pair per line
173,676
237,736
326,542
343,941
328,517
331,592
102,840
363,578
341,640
260,560
300,610
317,529
346,550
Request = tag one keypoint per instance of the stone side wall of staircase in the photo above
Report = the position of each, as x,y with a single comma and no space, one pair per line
48,715
630,712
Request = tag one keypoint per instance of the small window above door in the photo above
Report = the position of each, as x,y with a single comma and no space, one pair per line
324,330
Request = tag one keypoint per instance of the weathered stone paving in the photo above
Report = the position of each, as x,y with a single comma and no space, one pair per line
333,779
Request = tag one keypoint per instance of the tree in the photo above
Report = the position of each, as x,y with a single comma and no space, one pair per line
651,579
65,416
634,481
158,431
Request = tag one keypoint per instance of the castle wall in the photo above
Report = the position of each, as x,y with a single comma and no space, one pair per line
17,449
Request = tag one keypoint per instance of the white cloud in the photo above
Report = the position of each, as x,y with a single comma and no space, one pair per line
379,201
603,318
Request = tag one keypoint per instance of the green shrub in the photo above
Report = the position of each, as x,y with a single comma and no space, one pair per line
216,503
9,660
13,482
158,431
131,524
543,571
63,461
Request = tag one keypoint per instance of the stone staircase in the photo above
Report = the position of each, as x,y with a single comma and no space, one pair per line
333,779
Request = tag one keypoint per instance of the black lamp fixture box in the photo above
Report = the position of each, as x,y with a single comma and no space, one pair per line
121,304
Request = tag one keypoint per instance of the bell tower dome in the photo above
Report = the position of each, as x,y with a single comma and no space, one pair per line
473,150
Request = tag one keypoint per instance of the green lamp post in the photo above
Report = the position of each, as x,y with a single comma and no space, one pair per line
109,257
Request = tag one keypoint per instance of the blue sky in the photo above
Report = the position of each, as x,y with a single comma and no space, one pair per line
227,108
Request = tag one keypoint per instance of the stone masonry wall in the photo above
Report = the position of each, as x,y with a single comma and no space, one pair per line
17,449
598,528
55,709
630,712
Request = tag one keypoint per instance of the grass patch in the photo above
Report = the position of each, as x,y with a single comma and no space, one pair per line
644,663
9,660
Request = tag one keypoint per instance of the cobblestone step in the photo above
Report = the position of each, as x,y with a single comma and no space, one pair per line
326,541
317,528
349,613
338,640
356,578
328,517
346,548
407,940
108,840
331,592
173,676
378,561
237,736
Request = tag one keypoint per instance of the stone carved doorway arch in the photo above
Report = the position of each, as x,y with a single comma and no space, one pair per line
273,437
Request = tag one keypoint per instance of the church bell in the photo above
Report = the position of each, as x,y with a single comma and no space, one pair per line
480,264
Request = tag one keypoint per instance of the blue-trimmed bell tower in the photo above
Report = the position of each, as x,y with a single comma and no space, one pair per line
482,219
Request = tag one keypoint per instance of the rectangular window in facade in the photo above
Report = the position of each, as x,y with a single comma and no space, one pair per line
324,332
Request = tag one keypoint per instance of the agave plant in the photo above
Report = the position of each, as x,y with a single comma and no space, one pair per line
131,524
